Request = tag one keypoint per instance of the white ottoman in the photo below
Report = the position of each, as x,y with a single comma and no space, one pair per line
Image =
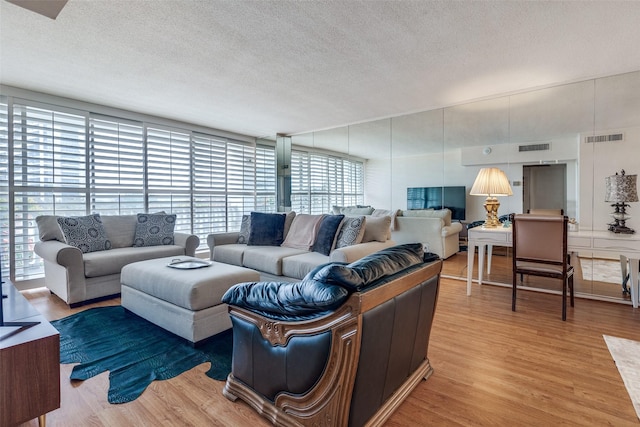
185,302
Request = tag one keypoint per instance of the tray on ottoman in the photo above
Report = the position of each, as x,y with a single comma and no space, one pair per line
183,301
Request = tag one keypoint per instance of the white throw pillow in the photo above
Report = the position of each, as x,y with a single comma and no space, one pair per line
377,229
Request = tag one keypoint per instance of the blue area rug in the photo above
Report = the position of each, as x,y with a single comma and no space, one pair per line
134,351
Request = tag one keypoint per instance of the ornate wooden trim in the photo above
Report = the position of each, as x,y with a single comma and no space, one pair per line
328,403
278,332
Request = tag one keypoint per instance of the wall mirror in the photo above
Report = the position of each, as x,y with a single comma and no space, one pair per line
539,138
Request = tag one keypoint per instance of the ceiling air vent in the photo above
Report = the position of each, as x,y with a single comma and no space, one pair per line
534,147
604,138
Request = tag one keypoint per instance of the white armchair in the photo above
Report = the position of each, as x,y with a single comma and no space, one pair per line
432,228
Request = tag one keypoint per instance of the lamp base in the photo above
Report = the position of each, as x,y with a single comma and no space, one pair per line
621,229
619,219
491,205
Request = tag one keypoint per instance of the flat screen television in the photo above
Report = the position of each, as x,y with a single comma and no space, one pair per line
452,198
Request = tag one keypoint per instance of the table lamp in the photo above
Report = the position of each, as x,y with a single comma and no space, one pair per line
621,189
491,182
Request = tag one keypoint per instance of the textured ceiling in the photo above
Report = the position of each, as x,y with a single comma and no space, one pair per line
266,67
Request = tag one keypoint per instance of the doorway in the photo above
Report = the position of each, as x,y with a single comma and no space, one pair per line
544,187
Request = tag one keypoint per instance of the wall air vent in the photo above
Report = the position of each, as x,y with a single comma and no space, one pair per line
534,147
604,138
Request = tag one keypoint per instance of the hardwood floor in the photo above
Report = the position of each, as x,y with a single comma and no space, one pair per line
492,367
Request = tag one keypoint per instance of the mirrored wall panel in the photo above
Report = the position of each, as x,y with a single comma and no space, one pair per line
556,145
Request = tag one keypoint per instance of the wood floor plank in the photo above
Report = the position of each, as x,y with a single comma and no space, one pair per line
492,367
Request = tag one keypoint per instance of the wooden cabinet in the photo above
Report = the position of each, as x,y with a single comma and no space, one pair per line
29,364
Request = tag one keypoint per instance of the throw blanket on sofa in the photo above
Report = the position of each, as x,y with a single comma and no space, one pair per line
303,231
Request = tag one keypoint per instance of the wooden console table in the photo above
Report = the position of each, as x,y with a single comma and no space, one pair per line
586,242
29,364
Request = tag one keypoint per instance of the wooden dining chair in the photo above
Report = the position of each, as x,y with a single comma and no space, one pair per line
540,249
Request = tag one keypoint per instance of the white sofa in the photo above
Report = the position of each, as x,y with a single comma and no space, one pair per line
282,263
77,277
432,228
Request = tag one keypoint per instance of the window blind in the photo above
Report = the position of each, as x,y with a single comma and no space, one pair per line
116,157
320,181
4,187
49,176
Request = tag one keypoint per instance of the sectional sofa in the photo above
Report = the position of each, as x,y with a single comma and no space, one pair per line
286,247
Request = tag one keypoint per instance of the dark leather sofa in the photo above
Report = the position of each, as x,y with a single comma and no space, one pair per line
344,347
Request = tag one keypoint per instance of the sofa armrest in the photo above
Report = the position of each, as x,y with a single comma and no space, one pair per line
353,253
189,242
221,239
454,228
59,253
64,270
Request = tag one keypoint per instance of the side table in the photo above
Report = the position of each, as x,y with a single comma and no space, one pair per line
29,364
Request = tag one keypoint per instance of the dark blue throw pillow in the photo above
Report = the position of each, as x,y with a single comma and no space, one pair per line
266,229
327,234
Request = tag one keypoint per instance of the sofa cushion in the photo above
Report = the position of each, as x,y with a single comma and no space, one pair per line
120,229
377,229
290,298
352,210
267,258
266,229
104,263
363,272
351,231
299,266
48,228
154,230
229,254
245,228
327,233
288,220
392,213
84,232
303,231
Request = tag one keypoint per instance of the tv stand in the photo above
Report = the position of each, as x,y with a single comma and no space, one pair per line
29,362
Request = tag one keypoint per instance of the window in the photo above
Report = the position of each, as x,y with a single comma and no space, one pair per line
320,181
49,176
116,171
74,162
4,187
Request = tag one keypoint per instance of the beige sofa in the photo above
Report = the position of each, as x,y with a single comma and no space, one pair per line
432,228
77,277
284,263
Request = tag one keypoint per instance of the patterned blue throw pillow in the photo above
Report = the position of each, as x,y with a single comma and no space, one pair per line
245,228
84,232
154,230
